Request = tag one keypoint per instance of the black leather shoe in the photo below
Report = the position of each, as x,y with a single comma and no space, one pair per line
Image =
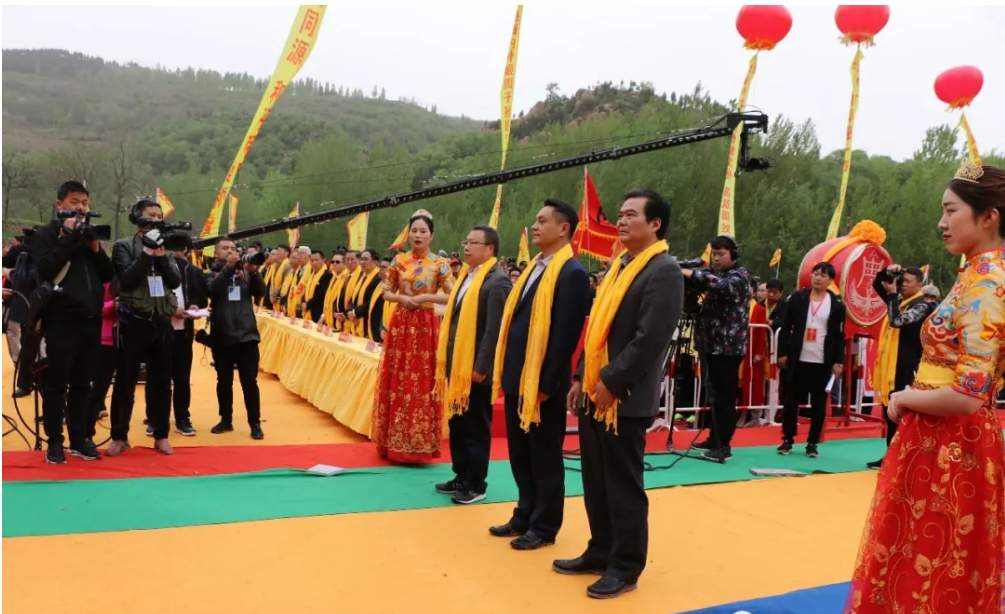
578,567
530,541
506,530
610,587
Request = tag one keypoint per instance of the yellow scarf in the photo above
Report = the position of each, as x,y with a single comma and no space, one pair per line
268,271
378,295
294,291
609,296
350,291
334,289
884,376
454,388
311,285
529,403
279,278
359,328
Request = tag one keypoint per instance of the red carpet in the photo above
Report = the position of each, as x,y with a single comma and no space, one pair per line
214,460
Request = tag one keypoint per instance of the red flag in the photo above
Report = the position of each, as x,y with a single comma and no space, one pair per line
595,236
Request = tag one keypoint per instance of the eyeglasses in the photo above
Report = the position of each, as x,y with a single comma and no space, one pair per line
467,243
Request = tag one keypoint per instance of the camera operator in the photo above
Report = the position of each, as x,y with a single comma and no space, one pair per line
147,276
71,322
234,333
900,339
722,339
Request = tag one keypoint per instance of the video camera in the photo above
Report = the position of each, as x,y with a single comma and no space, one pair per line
256,259
692,293
173,233
84,228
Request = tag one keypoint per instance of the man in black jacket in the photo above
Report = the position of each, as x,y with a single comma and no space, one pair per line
637,345
722,340
235,337
71,324
907,311
535,455
774,302
147,276
314,298
471,430
811,347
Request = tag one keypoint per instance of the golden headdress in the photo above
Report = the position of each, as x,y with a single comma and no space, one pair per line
422,212
969,172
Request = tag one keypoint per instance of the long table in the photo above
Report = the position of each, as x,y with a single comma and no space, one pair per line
336,377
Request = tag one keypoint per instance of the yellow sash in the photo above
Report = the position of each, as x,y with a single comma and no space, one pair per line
454,388
311,285
350,291
293,290
884,374
359,326
377,296
333,292
529,403
609,296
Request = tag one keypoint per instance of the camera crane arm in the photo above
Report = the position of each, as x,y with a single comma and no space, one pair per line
751,122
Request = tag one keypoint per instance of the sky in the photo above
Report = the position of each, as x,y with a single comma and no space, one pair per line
454,57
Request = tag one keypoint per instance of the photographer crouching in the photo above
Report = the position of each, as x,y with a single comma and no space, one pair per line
68,255
722,339
147,276
233,336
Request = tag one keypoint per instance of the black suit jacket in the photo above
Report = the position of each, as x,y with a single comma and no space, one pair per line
193,289
363,309
793,331
317,303
568,312
491,303
640,336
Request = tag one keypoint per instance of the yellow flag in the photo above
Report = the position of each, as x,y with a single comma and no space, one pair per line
166,207
727,219
232,214
523,254
924,273
357,231
975,158
400,241
706,256
835,225
299,45
506,106
776,258
293,235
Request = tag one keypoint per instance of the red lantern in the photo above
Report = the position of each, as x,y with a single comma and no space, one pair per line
763,26
861,22
958,86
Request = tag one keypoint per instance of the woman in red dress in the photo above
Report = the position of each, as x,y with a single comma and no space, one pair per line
407,421
934,541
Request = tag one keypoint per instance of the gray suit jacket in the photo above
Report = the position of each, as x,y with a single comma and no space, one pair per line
491,302
640,337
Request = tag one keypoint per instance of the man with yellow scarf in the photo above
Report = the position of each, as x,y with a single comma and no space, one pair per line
344,300
334,288
282,269
293,287
900,338
541,327
317,286
621,369
464,363
367,312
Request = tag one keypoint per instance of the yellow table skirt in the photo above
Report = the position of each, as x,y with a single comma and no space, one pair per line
337,378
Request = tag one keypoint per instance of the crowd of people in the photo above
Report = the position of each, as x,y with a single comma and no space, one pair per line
553,340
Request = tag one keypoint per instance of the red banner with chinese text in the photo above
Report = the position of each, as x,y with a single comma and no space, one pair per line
299,45
595,236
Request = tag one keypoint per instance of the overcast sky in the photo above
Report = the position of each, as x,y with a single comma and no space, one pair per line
454,56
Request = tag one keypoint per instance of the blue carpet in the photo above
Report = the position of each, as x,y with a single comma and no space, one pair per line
820,600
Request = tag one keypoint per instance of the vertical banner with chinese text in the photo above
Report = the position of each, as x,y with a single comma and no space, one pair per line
835,225
299,45
293,235
523,253
506,107
727,216
356,228
232,213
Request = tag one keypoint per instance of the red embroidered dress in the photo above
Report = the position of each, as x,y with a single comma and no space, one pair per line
407,422
933,541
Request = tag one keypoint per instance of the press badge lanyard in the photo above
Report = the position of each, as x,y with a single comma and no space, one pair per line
155,282
811,331
234,290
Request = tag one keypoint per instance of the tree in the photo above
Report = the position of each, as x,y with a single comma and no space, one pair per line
123,177
553,92
939,145
18,175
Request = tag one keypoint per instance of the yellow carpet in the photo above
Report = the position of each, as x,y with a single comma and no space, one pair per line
709,545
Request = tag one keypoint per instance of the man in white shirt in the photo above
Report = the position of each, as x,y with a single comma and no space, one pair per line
811,348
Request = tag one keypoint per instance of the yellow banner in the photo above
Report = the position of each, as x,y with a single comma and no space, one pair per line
299,45
399,243
166,207
293,235
835,225
706,256
777,258
523,253
232,214
357,231
727,221
975,156
506,106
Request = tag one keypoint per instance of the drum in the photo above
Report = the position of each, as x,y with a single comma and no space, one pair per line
857,266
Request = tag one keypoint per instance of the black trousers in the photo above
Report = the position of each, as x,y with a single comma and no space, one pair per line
152,344
181,375
721,375
538,469
103,374
244,356
807,379
471,440
72,352
615,495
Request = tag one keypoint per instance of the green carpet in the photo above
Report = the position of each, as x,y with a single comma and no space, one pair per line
91,506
